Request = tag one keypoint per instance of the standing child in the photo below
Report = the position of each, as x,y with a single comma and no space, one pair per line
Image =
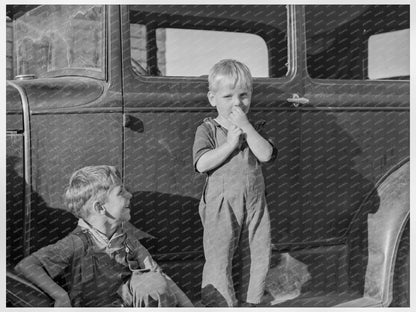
233,206
102,259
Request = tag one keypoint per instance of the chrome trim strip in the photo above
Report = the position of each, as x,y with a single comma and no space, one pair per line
127,110
27,167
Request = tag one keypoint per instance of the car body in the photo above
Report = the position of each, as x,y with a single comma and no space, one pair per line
126,86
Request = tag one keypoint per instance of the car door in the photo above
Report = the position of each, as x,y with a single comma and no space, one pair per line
72,115
168,51
355,127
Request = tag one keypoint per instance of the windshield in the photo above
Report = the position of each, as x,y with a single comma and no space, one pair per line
60,39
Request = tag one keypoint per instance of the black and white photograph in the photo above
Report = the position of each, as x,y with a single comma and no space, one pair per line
203,154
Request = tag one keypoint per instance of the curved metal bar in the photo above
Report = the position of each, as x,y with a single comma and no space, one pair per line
27,167
384,232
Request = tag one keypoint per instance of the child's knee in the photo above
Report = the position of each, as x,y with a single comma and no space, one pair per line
149,287
149,282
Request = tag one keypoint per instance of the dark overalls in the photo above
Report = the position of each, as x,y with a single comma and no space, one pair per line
103,277
234,215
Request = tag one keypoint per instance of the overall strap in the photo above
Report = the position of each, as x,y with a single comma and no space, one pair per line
81,266
86,240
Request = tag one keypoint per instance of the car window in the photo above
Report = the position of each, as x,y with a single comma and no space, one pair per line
55,37
358,41
389,55
208,47
187,40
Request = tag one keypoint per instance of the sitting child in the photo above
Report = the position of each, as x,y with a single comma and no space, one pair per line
102,259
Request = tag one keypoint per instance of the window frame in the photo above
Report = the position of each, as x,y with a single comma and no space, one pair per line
291,62
364,44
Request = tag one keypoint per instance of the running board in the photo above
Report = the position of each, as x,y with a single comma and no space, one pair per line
362,302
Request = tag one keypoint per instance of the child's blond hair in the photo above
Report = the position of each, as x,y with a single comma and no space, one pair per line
88,184
234,70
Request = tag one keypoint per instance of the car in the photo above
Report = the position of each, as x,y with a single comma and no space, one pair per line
126,86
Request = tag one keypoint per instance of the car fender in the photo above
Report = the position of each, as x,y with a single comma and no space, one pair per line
385,228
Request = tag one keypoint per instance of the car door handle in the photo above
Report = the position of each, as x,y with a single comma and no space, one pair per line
296,100
133,123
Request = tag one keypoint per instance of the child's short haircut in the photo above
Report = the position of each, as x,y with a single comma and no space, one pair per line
92,182
235,70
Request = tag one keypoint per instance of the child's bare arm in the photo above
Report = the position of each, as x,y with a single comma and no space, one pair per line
31,268
260,147
217,156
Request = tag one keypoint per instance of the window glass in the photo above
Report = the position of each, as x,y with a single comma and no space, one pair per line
186,40
50,38
138,48
389,55
208,47
358,41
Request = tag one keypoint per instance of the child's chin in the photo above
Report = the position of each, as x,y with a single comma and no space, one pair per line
125,218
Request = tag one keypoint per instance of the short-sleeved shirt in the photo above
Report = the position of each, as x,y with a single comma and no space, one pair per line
95,272
210,134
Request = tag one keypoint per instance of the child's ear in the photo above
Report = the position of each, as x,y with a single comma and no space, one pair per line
98,207
210,96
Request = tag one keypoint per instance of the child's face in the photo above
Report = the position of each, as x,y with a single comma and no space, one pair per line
117,204
226,96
